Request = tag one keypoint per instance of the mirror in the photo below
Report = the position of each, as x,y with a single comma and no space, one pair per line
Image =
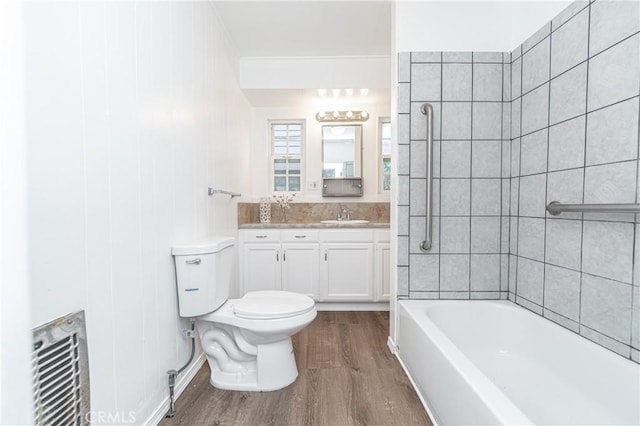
342,151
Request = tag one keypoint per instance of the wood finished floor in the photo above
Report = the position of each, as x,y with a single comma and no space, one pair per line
347,376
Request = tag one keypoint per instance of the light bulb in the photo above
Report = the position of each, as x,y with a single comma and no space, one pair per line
349,114
336,114
335,92
322,92
348,92
364,92
364,114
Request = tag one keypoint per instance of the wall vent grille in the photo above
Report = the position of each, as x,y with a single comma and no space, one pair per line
61,372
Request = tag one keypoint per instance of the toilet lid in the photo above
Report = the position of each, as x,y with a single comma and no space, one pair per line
272,305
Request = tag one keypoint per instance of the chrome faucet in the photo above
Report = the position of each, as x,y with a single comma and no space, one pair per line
345,214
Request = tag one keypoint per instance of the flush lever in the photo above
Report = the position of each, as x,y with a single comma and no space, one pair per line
196,261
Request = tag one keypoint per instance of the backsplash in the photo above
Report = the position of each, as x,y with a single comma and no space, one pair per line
568,131
315,212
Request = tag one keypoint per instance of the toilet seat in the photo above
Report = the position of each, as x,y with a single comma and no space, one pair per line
266,305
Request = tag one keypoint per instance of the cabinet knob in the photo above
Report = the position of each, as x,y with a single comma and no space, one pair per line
325,255
284,255
261,236
277,255
301,236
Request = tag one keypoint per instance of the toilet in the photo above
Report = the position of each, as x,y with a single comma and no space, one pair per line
247,341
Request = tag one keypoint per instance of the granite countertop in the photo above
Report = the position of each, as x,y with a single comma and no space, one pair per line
280,225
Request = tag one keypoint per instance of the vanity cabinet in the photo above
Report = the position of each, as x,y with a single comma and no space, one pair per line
329,265
280,260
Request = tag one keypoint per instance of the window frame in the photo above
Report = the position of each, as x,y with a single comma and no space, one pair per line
382,156
272,156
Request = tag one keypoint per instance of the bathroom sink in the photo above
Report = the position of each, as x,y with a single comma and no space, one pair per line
345,222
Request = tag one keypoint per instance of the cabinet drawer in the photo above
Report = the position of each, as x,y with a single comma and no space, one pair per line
348,235
383,236
260,235
299,235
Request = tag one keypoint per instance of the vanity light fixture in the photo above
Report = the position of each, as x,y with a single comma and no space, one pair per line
342,116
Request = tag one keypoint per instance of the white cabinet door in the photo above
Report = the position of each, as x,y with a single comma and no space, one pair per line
300,268
383,271
261,267
346,272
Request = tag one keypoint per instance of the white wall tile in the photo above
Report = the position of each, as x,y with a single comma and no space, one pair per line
454,272
568,94
424,272
534,152
487,82
530,280
486,160
562,291
612,22
531,238
612,133
566,144
485,272
485,235
605,307
564,243
608,250
456,82
610,183
535,109
614,74
569,43
535,66
425,82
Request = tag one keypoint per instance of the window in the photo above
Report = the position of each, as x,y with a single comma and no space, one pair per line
385,154
286,155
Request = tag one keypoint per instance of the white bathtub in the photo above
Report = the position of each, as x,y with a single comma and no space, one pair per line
492,362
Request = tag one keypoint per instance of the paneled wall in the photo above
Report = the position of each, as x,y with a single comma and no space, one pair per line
131,109
469,95
575,86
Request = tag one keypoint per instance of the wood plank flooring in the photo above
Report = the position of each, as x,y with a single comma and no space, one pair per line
347,376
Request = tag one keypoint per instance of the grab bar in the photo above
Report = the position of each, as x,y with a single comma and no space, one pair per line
221,191
425,245
556,207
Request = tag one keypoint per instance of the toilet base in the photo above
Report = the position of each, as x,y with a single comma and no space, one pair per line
274,368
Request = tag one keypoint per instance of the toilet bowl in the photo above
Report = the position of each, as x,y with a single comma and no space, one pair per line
247,341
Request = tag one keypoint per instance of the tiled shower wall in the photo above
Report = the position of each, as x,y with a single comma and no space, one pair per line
575,86
568,132
469,93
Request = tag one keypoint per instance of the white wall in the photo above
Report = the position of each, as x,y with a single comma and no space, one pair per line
315,72
262,184
132,109
15,328
481,26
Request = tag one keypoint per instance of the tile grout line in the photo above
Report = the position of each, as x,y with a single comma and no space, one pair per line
546,177
470,174
440,177
584,174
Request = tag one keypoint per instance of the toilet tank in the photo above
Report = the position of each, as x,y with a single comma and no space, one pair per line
203,275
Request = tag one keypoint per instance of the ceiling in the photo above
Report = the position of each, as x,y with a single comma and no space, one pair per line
263,28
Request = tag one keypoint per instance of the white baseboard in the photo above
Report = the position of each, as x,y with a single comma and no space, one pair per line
181,384
352,306
391,345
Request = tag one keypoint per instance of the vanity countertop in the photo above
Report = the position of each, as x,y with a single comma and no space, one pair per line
281,225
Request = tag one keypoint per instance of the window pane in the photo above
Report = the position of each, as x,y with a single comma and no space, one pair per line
280,183
386,174
386,147
386,130
294,183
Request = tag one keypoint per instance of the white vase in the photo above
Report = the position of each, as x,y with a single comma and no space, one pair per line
265,210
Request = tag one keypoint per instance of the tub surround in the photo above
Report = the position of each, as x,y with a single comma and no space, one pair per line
310,215
556,119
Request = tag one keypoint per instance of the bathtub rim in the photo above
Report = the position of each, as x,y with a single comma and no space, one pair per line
501,406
